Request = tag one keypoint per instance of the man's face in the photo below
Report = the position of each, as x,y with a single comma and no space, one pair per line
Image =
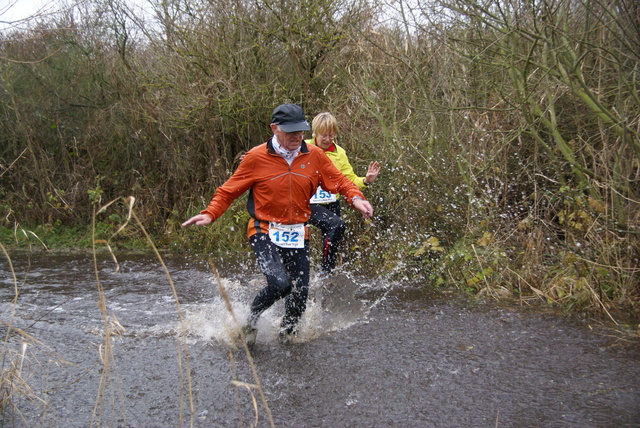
288,140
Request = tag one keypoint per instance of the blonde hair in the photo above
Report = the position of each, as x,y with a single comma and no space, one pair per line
324,124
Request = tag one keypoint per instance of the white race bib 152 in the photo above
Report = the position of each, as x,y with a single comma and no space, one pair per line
287,235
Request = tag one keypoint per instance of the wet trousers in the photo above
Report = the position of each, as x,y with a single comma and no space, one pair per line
326,217
287,273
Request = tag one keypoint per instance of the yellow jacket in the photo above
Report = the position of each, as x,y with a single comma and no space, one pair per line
339,158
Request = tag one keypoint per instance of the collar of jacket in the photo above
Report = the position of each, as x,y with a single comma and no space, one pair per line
270,149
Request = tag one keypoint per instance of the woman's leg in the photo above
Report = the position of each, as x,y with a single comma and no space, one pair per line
327,218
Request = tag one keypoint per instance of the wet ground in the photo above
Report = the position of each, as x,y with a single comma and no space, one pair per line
370,354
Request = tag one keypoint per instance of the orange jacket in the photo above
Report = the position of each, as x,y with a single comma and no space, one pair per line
278,192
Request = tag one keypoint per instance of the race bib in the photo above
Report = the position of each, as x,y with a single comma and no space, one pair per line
287,235
322,197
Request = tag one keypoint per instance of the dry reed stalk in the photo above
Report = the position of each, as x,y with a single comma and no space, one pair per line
8,376
181,320
237,391
12,383
599,300
13,387
107,352
258,386
14,161
484,277
105,349
113,256
249,388
13,275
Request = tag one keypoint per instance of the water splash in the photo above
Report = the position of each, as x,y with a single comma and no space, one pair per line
332,306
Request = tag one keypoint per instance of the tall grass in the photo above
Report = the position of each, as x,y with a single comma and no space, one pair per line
19,354
21,369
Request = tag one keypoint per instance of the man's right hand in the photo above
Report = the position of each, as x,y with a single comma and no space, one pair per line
198,220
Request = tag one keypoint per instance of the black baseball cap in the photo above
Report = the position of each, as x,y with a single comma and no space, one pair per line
290,118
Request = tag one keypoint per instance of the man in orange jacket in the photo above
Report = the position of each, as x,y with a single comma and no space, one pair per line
281,175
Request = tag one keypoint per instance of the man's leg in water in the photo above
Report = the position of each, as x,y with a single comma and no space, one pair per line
272,266
297,262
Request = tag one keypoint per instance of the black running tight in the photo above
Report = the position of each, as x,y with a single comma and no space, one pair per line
287,273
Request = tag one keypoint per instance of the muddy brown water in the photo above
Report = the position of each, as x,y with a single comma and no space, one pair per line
370,354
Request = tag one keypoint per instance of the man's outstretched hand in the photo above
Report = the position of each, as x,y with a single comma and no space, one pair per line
198,220
364,207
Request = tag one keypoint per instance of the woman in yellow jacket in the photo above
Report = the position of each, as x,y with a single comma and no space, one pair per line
325,207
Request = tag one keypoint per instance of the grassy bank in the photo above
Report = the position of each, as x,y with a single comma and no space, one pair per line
522,262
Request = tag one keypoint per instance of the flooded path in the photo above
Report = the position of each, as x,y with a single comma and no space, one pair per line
376,355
